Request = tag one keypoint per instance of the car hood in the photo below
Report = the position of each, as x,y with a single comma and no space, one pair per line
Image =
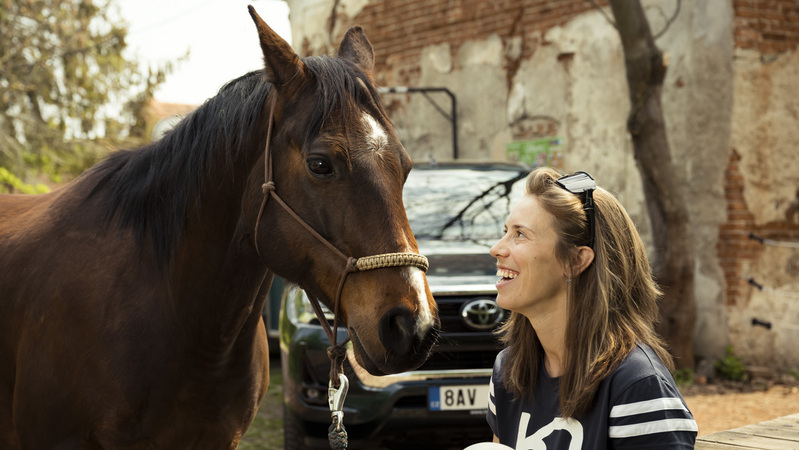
459,265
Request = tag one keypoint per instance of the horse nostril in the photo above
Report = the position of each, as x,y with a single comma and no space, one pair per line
397,330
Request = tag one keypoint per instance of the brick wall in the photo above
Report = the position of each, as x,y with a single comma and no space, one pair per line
768,26
735,245
416,24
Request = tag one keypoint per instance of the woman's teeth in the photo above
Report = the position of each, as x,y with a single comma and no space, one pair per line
506,274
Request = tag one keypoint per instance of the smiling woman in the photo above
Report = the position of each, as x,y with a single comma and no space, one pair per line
583,367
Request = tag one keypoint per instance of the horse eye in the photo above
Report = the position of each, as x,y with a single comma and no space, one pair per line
320,167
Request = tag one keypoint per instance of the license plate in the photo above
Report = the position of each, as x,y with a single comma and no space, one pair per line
462,397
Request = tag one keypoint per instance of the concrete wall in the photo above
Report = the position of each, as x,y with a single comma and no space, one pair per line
528,69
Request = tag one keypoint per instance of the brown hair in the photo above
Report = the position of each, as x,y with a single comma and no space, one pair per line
612,304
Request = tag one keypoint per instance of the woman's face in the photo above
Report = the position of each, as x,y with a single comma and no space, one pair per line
532,279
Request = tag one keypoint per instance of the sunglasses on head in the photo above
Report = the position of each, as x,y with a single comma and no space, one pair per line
579,183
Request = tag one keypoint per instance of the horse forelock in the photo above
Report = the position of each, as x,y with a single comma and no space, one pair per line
343,93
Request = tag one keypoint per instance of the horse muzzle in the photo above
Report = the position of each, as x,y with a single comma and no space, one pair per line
404,342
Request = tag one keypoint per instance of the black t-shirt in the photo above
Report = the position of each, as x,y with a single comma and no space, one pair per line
638,406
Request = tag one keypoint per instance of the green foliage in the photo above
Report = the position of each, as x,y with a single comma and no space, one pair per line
9,183
794,373
731,368
684,377
64,84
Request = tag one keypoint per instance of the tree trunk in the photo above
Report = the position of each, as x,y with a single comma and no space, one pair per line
673,261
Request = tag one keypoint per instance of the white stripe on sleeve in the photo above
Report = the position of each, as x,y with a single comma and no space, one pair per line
646,428
491,405
658,404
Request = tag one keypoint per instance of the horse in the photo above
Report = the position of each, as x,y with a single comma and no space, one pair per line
130,313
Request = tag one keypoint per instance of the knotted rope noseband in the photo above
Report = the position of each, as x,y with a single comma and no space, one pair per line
336,352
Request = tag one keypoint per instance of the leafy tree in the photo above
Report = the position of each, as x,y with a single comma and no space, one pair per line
65,86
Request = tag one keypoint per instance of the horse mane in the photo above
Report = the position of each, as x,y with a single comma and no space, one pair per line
149,189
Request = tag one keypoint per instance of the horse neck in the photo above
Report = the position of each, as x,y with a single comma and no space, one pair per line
220,300
216,272
216,277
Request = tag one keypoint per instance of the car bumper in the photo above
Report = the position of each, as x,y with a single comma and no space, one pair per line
375,406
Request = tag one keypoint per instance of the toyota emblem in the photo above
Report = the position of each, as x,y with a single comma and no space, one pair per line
482,314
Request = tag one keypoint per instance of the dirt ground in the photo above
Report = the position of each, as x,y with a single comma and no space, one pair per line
715,406
718,407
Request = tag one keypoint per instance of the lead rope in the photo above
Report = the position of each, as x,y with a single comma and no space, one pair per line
337,352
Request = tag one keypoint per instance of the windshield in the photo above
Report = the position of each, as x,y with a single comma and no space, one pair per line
462,204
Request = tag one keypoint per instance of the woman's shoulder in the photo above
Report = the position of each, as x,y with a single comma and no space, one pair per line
501,358
499,363
640,364
644,404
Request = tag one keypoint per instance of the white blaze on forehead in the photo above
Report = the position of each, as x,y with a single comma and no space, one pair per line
375,133
424,320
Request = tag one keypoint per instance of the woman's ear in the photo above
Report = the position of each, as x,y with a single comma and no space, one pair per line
581,259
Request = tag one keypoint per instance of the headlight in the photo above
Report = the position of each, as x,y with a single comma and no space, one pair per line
299,309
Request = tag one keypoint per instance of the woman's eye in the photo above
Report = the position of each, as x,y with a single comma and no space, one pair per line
320,166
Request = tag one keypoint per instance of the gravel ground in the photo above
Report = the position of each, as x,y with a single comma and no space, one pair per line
717,408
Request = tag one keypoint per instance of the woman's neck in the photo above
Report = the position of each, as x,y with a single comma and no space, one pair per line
550,328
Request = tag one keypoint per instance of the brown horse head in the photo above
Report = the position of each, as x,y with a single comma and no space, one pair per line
337,163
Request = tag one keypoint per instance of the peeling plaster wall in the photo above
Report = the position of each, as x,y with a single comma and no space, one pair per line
778,304
310,25
311,21
527,68
479,84
765,134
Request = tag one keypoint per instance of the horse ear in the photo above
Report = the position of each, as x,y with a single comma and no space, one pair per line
282,64
356,48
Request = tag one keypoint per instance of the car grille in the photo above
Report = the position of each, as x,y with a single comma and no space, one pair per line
449,312
460,360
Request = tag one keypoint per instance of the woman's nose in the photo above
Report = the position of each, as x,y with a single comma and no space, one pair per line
498,249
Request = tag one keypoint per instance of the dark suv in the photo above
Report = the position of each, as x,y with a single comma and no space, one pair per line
457,211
